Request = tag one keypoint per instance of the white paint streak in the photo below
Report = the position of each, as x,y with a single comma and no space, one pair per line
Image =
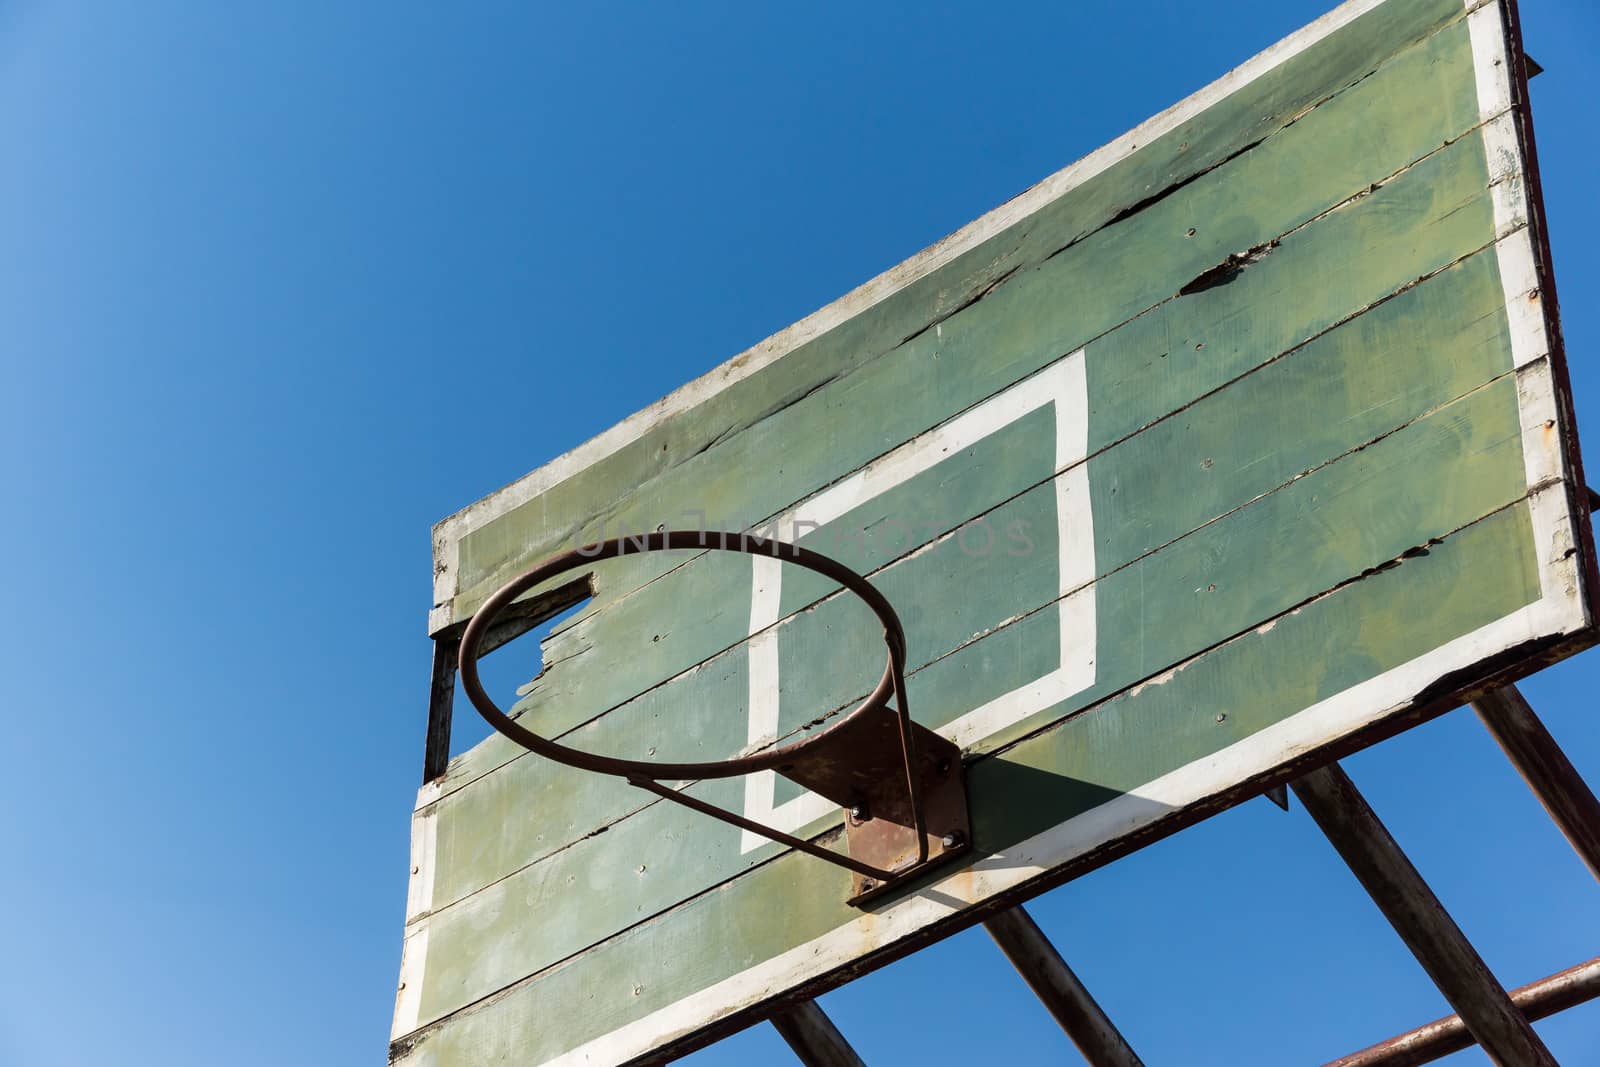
408,997
1525,312
424,847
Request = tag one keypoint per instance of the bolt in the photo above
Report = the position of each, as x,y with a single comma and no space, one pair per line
868,883
944,765
952,839
1221,716
858,812
415,868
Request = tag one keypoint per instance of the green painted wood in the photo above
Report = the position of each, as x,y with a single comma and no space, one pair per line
1420,483
1323,272
1374,624
1311,160
1442,339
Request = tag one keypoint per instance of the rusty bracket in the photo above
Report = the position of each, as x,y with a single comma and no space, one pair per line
859,765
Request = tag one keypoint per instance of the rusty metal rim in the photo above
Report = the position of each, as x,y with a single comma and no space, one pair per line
647,774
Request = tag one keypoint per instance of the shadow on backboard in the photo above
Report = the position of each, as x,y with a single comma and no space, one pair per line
1027,820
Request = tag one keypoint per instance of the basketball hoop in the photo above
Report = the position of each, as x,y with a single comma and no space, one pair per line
874,761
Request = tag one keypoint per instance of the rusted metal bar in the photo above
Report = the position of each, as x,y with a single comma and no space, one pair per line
799,844
1546,769
441,698
1536,1000
1433,937
1048,975
814,1038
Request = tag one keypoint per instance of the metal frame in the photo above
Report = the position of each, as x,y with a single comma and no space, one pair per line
1566,797
813,1037
1067,998
844,762
1536,1000
1433,937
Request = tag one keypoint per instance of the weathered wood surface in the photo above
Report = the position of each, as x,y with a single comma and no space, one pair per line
1147,368
1317,478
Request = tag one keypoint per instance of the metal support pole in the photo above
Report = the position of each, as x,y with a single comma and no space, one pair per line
1048,975
1433,937
814,1038
1546,769
1536,1000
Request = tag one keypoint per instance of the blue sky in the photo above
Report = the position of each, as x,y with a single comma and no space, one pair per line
284,284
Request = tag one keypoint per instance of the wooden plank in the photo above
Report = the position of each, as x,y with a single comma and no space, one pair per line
441,706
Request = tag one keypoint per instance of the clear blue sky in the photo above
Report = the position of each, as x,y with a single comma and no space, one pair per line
283,284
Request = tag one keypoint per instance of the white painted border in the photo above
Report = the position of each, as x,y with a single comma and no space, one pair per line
419,901
448,533
1553,529
1062,385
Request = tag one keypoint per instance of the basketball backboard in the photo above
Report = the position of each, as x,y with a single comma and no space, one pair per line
1234,446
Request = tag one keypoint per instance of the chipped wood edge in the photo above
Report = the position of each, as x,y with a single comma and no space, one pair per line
1545,447
449,532
419,902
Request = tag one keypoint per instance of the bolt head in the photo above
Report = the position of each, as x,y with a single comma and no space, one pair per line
953,839
1221,716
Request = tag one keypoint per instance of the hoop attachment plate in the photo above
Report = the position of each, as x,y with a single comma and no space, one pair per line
859,765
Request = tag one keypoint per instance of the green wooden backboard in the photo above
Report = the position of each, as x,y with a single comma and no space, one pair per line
1236,445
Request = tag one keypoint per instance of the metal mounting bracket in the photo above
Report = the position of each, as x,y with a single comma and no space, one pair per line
859,765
